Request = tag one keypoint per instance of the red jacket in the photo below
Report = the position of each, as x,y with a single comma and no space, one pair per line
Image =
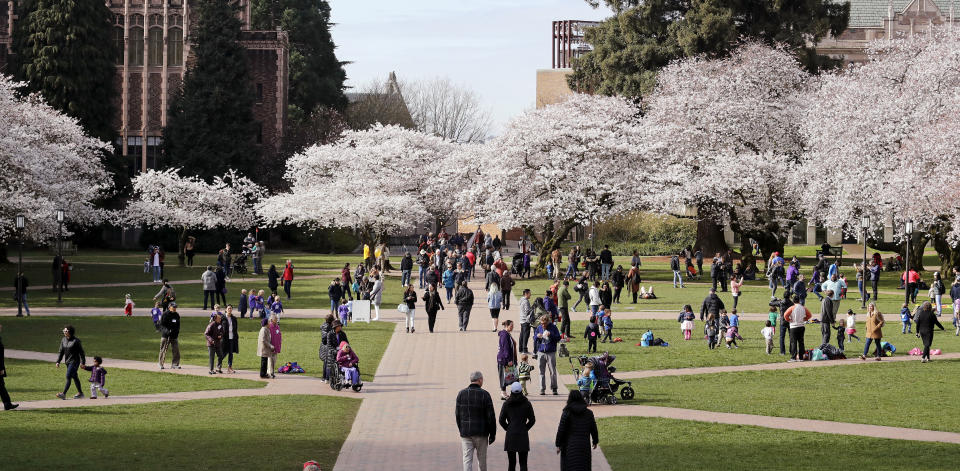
288,272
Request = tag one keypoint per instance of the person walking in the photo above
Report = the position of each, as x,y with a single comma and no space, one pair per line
476,422
827,316
170,335
273,279
20,284
517,418
276,340
220,290
406,266
410,300
547,336
209,281
71,352
606,263
618,278
563,298
873,275
875,325
214,335
4,396
506,285
231,338
938,290
325,349
712,304
432,304
264,347
464,301
782,306
575,434
288,277
495,302
925,320
506,356
633,280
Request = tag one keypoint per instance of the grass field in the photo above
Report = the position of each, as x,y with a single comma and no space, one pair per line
136,339
250,433
694,353
29,380
631,443
909,394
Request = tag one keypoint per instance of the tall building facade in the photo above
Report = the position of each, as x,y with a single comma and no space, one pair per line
152,43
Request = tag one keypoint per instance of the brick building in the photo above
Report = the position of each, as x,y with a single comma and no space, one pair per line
152,40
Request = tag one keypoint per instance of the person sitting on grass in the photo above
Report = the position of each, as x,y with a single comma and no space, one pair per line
98,378
347,360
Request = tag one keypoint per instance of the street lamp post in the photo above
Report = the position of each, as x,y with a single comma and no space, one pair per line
865,224
906,272
60,216
20,222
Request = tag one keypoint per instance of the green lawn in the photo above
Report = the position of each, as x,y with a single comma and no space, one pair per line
249,433
29,380
694,353
631,443
909,394
136,339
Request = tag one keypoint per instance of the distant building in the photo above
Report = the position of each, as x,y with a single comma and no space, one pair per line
567,43
381,103
152,39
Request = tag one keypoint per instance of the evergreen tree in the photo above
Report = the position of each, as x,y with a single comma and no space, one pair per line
65,52
211,126
644,36
316,76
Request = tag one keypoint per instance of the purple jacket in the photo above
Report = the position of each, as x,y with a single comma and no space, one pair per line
507,351
792,272
98,375
275,337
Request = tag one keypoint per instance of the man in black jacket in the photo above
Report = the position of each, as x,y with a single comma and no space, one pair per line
169,335
4,397
406,267
606,262
712,304
335,292
476,421
464,302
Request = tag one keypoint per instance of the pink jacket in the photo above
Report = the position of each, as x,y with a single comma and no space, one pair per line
275,337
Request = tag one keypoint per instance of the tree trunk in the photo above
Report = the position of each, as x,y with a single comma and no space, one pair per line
710,237
182,247
550,240
917,245
949,256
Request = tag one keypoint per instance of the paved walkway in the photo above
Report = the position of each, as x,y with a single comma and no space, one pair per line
803,425
234,280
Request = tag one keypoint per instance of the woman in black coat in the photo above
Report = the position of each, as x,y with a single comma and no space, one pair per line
516,417
325,330
272,277
926,318
231,338
221,294
577,427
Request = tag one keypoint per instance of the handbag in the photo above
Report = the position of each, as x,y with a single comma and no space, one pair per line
403,308
509,374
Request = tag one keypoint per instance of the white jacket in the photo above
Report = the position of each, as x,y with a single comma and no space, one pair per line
594,296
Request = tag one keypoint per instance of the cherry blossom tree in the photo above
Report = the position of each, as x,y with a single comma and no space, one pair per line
48,163
727,130
375,181
165,198
882,143
554,168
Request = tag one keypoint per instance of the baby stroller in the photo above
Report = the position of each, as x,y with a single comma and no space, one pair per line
339,381
240,264
606,386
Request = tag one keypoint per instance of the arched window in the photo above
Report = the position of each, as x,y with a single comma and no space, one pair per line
135,56
118,44
155,46
174,47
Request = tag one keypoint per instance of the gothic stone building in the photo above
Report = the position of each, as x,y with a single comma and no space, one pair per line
152,40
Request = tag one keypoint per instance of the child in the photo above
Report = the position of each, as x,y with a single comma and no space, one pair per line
905,319
772,318
98,378
128,306
607,322
344,311
710,330
252,303
686,321
523,370
735,324
258,302
276,306
843,291
585,381
155,314
242,305
591,333
549,277
768,336
840,331
956,316
851,326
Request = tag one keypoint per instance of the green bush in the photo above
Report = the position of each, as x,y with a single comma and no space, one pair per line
650,234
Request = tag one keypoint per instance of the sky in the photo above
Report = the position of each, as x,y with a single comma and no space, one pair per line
493,47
